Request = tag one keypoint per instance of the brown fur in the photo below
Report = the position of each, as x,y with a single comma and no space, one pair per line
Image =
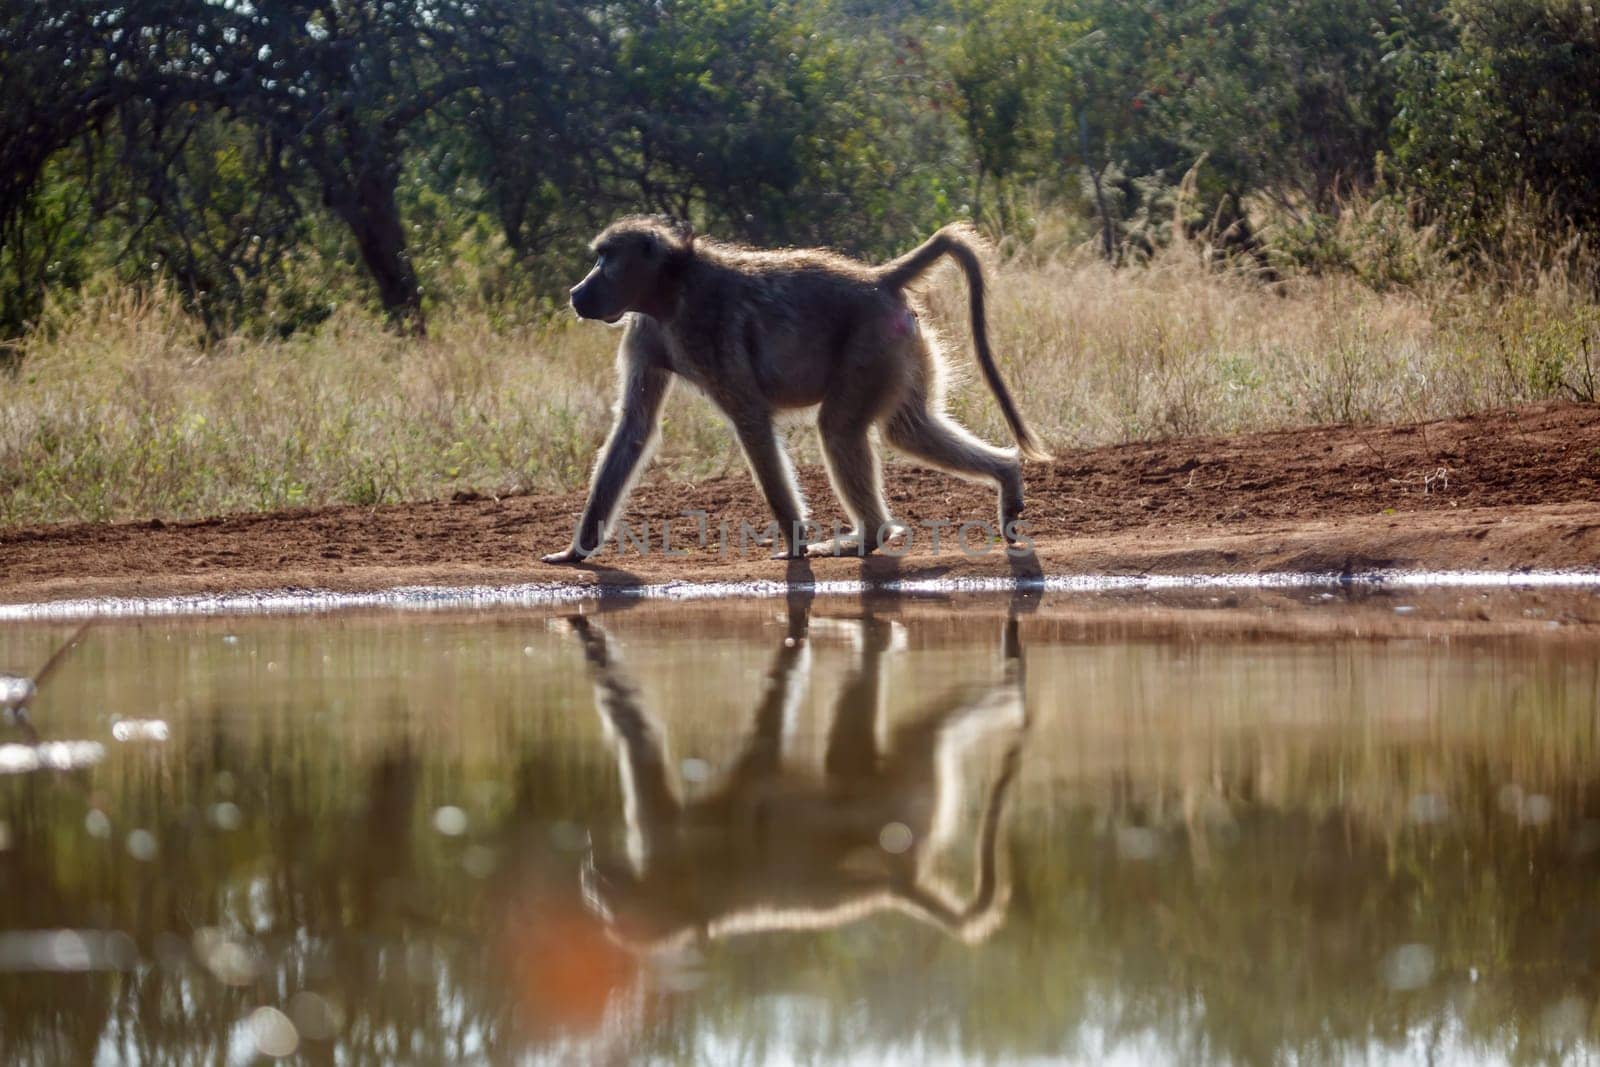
764,332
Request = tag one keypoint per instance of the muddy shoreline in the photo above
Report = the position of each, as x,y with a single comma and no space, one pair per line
1504,491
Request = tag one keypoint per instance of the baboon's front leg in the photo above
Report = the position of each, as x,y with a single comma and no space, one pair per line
770,465
642,389
650,805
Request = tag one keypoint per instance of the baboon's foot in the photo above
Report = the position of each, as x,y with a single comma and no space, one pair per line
571,555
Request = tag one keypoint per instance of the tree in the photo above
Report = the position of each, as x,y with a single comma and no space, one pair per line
742,116
1503,101
341,84
68,70
1009,65
328,89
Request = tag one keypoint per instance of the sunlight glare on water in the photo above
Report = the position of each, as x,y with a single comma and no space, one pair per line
791,831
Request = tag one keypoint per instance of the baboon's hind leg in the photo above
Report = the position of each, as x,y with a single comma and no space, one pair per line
941,442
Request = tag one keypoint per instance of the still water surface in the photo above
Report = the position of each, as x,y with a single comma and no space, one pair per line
794,832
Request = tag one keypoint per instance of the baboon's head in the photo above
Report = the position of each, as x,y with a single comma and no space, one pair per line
637,263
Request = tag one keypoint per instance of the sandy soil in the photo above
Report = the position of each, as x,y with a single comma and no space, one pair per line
1500,491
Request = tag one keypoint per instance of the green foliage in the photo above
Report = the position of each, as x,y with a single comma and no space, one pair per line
1505,103
1288,98
1375,239
1009,67
48,248
273,161
769,122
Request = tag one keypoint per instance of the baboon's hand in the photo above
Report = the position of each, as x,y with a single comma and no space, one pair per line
571,555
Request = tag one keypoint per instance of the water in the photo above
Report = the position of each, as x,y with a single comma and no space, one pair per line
1135,830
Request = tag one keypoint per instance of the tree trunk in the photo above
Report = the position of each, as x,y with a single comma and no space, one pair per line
368,206
1107,234
1108,238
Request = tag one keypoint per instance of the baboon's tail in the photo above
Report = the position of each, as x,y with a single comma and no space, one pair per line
957,240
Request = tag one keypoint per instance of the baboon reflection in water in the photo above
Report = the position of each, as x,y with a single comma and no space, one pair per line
771,847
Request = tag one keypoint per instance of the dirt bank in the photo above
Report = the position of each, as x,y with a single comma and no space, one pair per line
1505,490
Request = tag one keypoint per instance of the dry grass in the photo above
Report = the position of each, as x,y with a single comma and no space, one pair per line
1172,348
118,410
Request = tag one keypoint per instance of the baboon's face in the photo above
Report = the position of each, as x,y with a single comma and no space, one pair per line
626,277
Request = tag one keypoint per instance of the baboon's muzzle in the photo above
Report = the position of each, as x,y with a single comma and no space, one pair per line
589,303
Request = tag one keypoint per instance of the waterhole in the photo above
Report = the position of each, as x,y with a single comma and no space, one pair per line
1292,825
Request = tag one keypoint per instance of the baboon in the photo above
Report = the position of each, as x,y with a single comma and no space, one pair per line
762,333
771,845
